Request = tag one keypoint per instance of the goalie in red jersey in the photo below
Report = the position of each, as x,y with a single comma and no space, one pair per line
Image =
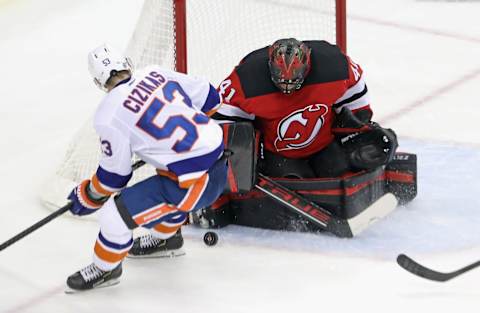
310,105
300,97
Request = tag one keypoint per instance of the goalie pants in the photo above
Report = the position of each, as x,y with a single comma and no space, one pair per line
156,203
329,162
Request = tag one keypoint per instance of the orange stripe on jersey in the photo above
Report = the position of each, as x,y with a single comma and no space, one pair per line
167,174
108,256
167,229
194,194
184,184
188,183
98,186
211,112
153,214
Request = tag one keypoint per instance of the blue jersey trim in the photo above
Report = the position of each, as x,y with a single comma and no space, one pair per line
213,99
197,164
111,179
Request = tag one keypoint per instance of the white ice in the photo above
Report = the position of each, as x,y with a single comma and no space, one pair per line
422,64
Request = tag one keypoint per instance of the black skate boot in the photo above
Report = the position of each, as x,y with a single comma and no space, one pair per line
91,277
148,246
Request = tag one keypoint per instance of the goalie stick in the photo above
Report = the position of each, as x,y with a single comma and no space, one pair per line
417,269
345,228
50,217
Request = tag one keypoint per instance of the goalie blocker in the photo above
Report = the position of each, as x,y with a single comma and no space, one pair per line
345,197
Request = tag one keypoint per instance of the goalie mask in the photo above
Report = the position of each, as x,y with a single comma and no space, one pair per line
104,63
289,64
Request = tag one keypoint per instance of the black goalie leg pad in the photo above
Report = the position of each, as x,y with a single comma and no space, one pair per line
241,142
217,215
401,176
241,145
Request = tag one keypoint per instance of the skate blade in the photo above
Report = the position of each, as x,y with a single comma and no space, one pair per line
159,254
109,283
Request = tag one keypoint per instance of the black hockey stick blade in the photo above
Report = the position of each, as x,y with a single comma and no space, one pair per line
419,270
50,217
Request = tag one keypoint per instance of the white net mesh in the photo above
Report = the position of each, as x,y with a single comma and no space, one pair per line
217,44
219,34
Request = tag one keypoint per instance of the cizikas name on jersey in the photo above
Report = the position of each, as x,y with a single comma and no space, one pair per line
143,90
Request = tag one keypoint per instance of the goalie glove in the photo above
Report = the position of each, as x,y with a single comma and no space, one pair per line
367,145
83,199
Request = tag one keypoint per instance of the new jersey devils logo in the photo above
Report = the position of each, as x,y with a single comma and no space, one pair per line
300,128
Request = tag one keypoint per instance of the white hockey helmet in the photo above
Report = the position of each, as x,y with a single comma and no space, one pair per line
104,61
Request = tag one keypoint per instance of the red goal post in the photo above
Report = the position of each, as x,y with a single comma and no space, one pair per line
204,38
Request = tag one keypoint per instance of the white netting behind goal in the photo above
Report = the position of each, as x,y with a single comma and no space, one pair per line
219,34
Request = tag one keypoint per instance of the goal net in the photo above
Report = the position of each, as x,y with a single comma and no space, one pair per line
204,38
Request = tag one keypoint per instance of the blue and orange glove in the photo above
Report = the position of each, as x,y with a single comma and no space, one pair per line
82,200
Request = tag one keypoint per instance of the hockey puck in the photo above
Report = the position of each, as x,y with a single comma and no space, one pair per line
210,238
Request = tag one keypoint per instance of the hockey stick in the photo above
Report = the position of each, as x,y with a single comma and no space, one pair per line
345,228
50,217
417,269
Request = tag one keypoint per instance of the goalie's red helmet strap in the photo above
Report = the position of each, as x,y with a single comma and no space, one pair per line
289,63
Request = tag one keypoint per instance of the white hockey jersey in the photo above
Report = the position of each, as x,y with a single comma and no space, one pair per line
162,117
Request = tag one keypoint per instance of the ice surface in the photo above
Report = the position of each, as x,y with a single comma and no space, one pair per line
422,67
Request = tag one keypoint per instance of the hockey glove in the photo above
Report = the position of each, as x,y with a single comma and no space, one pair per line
367,145
83,202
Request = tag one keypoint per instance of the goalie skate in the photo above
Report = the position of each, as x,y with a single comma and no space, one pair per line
92,277
148,246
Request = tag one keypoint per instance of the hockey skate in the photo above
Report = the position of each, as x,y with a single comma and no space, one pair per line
147,246
92,277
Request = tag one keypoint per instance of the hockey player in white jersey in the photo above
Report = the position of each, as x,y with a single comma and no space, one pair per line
162,117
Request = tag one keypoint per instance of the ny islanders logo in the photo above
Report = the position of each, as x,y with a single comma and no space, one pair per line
300,128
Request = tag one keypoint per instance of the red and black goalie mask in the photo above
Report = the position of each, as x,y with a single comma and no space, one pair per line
289,63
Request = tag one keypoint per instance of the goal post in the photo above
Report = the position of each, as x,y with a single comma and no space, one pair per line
205,38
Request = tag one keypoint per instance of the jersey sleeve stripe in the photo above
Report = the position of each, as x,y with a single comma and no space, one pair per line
112,180
100,189
232,111
355,105
195,164
212,102
194,194
351,99
351,91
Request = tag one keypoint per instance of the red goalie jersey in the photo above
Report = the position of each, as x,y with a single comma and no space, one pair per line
299,124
